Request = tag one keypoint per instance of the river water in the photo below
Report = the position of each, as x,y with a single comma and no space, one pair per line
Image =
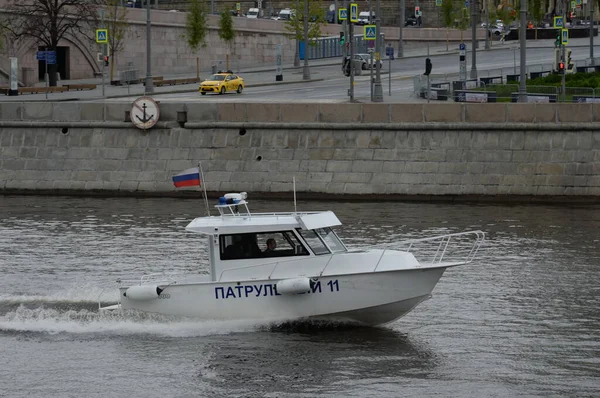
522,320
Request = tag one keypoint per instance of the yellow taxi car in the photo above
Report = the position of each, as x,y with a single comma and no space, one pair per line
221,83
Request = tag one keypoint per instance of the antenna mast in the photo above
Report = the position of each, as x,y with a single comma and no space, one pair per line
203,183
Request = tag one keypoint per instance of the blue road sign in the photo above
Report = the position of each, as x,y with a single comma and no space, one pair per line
48,56
51,57
353,12
101,36
462,46
466,3
558,22
343,14
370,32
565,36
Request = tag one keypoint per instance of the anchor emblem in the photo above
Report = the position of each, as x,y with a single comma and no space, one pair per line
144,113
144,119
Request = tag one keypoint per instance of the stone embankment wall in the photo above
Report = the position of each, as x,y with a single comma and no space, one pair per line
497,151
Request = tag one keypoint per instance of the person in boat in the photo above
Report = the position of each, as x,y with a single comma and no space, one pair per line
271,246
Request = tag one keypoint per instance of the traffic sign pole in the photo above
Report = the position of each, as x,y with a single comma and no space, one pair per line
590,5
562,54
103,53
46,74
378,89
351,28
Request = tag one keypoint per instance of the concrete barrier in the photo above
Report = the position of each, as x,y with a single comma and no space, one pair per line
528,152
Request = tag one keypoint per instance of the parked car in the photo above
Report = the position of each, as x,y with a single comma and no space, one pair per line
365,60
363,18
221,83
286,14
495,30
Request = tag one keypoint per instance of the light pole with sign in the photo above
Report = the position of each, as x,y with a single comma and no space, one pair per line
377,88
353,20
149,87
473,40
523,58
402,18
102,39
306,70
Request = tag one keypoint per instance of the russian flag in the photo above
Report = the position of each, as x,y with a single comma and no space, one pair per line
187,178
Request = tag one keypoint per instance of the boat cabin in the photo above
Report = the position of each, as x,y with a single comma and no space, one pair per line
239,239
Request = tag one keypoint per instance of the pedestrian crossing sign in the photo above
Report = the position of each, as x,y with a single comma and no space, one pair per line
558,22
564,36
353,12
101,36
370,32
438,3
343,14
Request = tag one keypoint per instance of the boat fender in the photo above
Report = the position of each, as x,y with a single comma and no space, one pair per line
144,292
295,285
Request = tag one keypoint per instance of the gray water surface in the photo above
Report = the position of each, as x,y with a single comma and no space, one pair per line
522,320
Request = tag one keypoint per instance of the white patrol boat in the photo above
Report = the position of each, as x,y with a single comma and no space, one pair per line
288,266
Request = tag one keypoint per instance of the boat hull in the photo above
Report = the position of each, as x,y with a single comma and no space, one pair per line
369,298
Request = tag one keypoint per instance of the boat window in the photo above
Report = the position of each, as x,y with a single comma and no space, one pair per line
314,242
260,245
331,240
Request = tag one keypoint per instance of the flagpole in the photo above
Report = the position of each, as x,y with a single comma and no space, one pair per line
294,181
203,184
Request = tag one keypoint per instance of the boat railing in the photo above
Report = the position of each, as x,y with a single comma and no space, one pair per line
462,247
275,214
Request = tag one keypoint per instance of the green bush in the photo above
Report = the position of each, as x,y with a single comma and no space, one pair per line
591,80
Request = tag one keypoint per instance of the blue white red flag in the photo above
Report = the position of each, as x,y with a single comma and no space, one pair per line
187,178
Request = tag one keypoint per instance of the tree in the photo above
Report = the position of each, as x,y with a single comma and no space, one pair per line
117,28
295,25
50,21
195,29
536,12
462,19
447,11
226,31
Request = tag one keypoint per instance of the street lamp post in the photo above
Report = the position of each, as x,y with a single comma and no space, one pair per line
377,88
297,55
590,5
487,24
149,84
473,41
523,60
402,17
306,70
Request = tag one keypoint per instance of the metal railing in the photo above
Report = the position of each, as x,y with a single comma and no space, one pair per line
508,92
465,246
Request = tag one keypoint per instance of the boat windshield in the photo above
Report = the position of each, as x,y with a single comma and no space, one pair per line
331,240
260,244
314,242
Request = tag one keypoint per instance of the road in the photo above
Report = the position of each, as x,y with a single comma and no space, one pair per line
328,84
334,86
